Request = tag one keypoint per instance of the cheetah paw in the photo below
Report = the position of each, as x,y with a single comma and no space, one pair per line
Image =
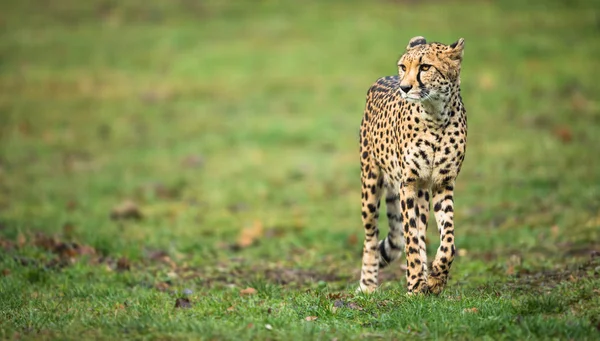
420,291
436,284
363,289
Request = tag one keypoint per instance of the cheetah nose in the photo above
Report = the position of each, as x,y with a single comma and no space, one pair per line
406,88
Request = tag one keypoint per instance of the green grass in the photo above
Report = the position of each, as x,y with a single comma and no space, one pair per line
215,117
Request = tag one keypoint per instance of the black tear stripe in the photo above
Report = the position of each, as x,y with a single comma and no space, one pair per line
440,72
421,85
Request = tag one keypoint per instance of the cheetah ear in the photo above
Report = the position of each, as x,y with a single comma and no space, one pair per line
455,50
418,40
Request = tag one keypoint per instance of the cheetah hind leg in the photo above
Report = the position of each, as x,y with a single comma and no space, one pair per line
391,247
372,188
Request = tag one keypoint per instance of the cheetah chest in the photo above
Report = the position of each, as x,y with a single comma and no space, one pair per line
423,153
432,155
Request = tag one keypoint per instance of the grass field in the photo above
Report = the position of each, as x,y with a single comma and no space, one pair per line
189,170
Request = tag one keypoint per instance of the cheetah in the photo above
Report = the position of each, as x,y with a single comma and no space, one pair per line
412,144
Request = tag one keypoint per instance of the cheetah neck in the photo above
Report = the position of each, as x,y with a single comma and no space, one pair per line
437,109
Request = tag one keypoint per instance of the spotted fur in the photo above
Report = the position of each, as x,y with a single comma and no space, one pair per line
412,144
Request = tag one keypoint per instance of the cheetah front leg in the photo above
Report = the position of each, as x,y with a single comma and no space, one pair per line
423,202
372,185
415,274
444,215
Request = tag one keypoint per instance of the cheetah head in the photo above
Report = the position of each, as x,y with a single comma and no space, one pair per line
429,71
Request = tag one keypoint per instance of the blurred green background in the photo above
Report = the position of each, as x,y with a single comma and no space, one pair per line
257,105
215,116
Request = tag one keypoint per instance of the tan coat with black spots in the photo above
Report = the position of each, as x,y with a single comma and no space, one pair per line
412,144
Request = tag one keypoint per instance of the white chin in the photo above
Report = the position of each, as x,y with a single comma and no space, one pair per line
412,99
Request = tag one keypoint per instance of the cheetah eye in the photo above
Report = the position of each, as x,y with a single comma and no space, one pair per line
403,67
425,67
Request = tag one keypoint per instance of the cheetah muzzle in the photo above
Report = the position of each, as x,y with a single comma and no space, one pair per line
412,144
